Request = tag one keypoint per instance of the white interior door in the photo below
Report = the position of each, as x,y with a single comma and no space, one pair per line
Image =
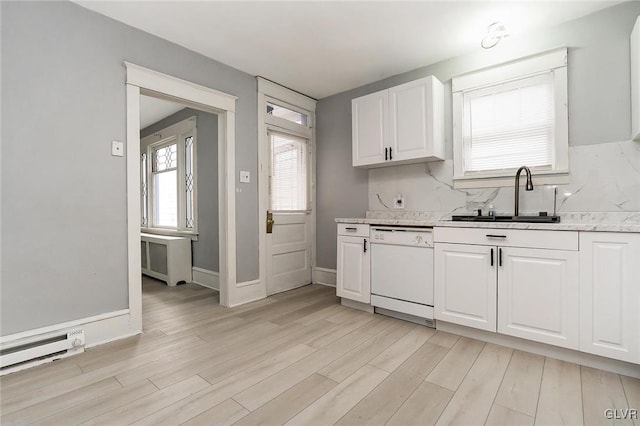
288,245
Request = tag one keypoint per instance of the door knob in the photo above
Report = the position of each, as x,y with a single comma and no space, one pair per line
270,222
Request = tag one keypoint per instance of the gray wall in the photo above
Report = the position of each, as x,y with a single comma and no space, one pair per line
205,250
599,105
63,195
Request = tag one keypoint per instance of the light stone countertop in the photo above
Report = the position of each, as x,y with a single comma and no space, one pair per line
562,226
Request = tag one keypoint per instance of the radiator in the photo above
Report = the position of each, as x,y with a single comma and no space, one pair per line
27,352
166,258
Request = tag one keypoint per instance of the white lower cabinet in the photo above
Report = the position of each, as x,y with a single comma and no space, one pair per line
610,295
538,295
528,292
465,285
353,280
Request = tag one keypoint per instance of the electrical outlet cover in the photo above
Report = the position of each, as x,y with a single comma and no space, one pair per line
398,202
245,177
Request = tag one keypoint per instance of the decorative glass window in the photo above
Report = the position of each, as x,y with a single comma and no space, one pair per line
509,116
143,190
288,180
189,183
168,181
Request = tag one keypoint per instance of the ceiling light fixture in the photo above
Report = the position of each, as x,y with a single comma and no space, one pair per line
495,32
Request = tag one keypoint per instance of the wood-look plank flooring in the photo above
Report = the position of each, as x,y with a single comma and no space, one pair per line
300,358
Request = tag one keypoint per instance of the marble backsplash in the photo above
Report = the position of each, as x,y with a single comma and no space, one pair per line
604,186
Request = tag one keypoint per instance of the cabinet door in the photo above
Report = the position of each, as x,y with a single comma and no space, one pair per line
414,125
610,295
353,279
538,295
369,127
465,285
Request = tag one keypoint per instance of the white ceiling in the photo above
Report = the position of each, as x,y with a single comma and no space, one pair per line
153,110
325,47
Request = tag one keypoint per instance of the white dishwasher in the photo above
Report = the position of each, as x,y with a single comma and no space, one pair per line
402,272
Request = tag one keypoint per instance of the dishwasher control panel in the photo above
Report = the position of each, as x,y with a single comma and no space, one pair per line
418,237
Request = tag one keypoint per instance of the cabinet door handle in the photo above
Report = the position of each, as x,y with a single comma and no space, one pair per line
365,245
386,154
499,257
495,236
390,153
350,229
491,256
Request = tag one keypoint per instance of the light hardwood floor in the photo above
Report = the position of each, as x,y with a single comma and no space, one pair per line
300,358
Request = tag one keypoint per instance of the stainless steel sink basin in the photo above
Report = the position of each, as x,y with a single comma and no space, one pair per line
529,219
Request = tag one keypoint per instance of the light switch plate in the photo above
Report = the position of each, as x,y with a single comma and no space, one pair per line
245,176
117,148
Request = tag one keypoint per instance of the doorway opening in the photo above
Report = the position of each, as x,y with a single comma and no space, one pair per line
142,81
179,209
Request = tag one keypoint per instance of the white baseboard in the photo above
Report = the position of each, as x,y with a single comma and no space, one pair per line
357,305
206,278
324,276
569,355
98,329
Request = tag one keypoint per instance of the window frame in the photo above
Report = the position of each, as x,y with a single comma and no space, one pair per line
555,62
176,133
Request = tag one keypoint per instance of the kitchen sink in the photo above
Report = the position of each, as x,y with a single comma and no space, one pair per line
530,219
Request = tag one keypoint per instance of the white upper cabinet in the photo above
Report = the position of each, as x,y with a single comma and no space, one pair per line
610,295
400,125
635,81
370,128
416,120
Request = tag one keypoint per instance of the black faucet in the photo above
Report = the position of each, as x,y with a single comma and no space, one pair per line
528,187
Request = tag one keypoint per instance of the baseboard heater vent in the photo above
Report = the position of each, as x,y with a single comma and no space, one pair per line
30,351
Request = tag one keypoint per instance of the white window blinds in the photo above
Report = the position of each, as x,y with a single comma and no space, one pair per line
509,125
288,183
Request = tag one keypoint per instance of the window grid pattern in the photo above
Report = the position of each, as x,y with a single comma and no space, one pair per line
189,176
144,189
165,158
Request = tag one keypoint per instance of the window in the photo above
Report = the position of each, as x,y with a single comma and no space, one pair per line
286,114
168,179
288,180
510,116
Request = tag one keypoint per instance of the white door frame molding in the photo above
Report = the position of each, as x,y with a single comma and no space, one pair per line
148,82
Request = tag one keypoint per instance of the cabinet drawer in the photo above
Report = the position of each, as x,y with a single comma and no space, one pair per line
353,229
558,240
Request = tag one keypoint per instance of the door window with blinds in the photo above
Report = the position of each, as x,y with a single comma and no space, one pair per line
288,177
511,116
